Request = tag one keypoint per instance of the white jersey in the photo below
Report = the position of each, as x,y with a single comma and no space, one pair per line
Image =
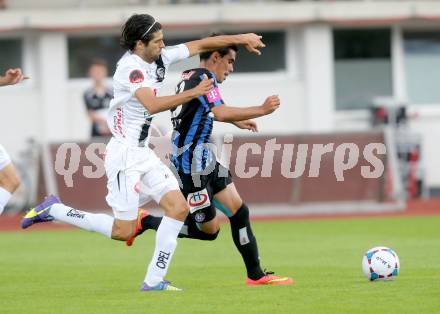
127,119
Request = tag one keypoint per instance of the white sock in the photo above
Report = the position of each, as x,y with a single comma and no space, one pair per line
166,242
4,198
100,223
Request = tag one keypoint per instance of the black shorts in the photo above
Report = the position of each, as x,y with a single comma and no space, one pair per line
199,191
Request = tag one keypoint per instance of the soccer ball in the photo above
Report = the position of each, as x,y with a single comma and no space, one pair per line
380,263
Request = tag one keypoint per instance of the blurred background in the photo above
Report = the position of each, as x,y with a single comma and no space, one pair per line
346,72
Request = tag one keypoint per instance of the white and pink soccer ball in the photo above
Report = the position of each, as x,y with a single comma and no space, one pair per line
380,263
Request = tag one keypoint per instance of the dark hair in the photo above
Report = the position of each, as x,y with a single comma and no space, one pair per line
98,61
135,29
222,51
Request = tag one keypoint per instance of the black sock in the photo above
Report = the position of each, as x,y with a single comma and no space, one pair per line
245,242
190,229
150,222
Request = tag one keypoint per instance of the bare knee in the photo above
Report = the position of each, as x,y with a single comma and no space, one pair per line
212,236
211,227
211,232
174,205
179,210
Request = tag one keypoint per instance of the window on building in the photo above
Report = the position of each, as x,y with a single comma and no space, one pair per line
82,50
273,56
422,61
272,59
11,55
362,67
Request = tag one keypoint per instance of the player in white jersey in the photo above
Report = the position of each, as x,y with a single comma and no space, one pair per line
9,180
135,174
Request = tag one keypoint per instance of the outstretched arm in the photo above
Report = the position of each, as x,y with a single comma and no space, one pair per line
12,77
251,41
229,114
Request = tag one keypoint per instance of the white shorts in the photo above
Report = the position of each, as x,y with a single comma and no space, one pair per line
135,176
4,158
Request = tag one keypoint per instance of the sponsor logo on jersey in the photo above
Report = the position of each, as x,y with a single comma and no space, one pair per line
136,76
186,76
117,121
213,95
162,259
75,214
198,200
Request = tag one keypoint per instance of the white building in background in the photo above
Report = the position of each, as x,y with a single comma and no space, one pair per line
326,60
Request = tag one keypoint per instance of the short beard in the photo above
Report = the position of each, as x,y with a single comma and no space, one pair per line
153,58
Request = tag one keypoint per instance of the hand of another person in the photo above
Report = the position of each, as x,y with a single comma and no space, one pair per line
250,125
271,104
12,77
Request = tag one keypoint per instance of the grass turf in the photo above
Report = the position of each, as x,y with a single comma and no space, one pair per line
80,272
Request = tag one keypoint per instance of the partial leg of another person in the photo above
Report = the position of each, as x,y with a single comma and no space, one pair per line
9,180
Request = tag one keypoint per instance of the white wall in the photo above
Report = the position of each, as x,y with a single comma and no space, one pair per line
426,122
20,118
319,78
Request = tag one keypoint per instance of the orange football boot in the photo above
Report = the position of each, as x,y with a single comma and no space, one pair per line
142,213
270,279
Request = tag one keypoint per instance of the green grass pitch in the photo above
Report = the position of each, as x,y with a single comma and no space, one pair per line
80,272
